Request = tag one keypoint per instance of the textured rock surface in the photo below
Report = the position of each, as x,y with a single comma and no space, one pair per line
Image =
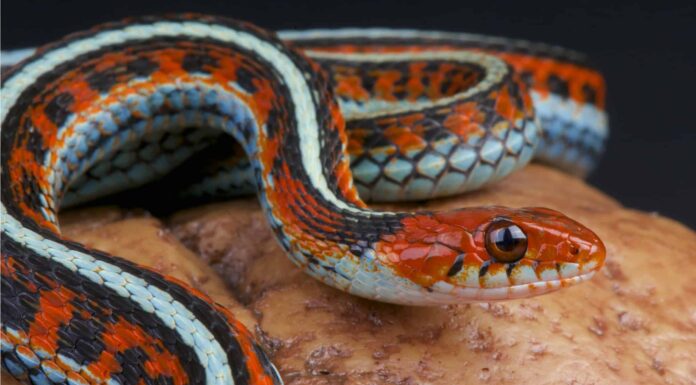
633,323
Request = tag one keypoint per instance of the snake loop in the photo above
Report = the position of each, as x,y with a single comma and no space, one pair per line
324,118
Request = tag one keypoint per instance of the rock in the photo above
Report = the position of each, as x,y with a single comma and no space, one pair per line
633,323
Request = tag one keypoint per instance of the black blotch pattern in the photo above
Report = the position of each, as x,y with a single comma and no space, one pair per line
142,67
558,86
35,143
103,81
199,62
589,93
133,369
456,266
18,303
514,89
484,268
58,109
72,342
245,80
527,77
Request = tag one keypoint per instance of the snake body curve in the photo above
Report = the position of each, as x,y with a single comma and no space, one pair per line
125,98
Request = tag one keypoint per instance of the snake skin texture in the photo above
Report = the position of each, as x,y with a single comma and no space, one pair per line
321,121
418,160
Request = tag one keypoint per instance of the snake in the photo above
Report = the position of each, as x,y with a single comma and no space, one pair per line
326,120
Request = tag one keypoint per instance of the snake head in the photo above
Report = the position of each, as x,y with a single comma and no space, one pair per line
492,253
540,248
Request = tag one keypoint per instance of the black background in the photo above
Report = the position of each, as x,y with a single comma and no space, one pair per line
646,50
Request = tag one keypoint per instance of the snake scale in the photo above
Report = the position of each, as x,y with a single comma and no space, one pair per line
324,118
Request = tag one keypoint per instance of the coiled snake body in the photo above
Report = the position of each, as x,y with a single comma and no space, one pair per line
324,118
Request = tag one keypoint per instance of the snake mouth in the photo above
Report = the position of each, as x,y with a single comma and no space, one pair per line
532,289
518,291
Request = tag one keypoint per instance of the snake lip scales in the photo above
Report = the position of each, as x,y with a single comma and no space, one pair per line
324,119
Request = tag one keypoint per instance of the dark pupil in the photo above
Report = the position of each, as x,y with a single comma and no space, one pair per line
505,241
508,240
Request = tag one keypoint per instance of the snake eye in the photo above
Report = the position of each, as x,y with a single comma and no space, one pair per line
505,241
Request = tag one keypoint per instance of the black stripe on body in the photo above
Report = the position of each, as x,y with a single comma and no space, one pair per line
81,340
281,116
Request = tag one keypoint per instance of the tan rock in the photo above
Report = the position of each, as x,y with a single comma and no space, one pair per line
635,323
